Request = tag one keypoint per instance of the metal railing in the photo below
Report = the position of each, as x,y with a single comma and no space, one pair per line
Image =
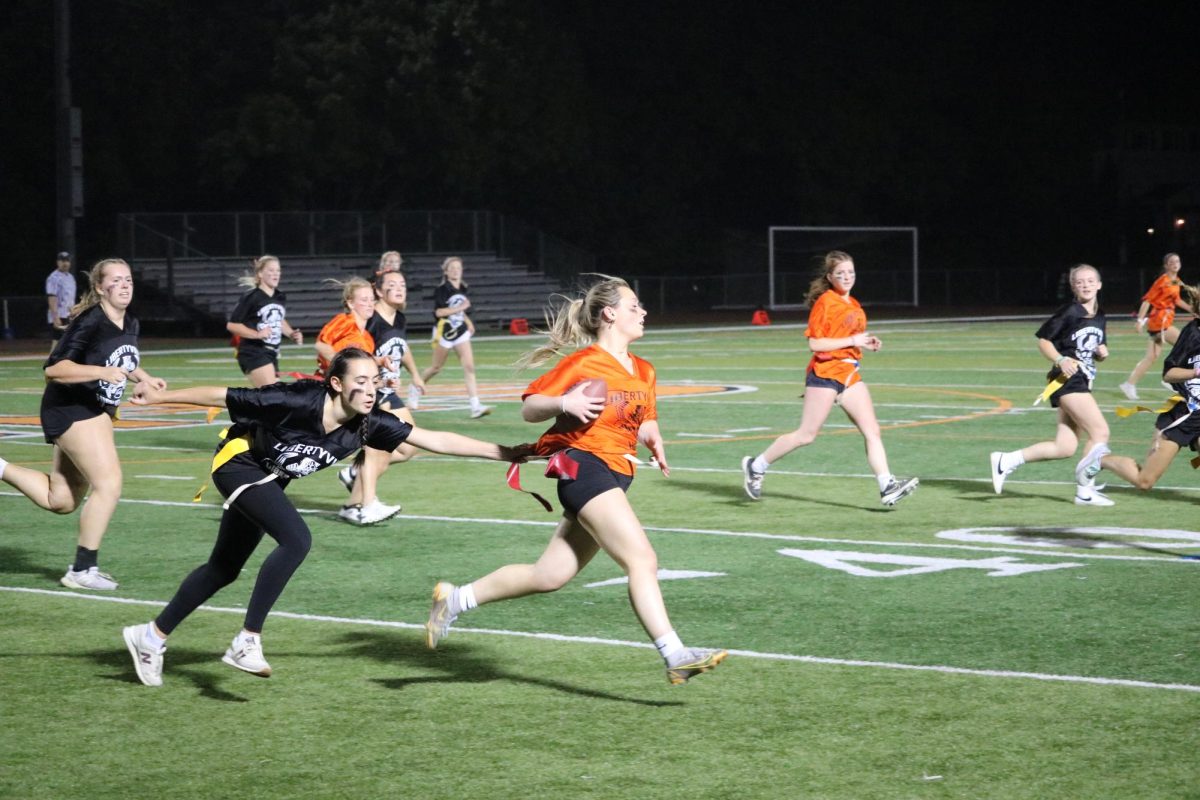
248,234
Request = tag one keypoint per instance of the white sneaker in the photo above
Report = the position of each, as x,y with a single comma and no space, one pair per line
1129,390
347,475
146,660
440,616
480,411
998,475
414,397
369,514
90,578
1092,498
1089,466
246,654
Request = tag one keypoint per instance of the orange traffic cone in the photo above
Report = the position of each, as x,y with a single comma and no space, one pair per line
760,317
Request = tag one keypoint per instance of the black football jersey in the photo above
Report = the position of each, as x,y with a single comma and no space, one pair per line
1076,335
1186,354
287,438
391,340
446,296
93,339
262,312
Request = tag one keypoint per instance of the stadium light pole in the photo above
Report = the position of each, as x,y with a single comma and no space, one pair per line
68,133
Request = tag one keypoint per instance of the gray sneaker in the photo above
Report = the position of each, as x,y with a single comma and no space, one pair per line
898,489
751,480
440,618
692,662
147,661
90,578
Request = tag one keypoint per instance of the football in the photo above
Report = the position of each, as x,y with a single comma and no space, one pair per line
594,388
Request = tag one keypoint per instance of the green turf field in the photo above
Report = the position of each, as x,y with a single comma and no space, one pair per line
962,645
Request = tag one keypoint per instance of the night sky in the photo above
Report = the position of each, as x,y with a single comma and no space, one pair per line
642,131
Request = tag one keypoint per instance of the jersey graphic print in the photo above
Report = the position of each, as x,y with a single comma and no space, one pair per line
1087,341
126,358
270,318
298,460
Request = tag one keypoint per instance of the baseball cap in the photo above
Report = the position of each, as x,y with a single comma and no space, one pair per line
64,256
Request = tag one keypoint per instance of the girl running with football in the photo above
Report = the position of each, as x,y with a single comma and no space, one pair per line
281,432
1072,340
837,334
452,332
86,377
594,465
258,321
1155,316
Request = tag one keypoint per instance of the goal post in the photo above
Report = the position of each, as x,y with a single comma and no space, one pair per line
885,260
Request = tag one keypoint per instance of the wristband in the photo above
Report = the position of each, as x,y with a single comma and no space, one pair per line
1142,321
562,406
1059,360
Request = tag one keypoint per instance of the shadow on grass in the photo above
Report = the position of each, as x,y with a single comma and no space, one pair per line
178,666
18,562
732,494
460,665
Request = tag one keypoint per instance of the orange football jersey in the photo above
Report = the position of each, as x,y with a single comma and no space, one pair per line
341,332
631,401
1162,296
836,316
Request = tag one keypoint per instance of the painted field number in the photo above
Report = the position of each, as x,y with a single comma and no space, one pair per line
854,563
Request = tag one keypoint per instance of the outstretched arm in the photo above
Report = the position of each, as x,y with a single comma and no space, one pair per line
147,394
455,444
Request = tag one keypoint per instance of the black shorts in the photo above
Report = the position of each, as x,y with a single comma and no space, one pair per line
1185,433
57,419
1076,384
389,402
251,358
594,478
815,381
1158,335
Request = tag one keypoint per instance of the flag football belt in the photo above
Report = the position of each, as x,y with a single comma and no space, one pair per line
225,452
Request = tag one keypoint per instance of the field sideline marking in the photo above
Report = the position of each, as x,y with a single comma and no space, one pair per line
557,637
781,537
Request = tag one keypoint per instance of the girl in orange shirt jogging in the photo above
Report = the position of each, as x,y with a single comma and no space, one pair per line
1155,316
837,332
595,469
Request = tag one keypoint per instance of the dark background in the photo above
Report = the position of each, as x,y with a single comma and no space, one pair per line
645,132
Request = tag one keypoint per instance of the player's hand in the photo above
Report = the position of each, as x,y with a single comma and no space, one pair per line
148,393
297,336
660,457
112,375
872,342
1141,324
1102,352
518,454
1068,366
578,404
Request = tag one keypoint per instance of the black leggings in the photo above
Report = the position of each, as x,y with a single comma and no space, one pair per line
257,510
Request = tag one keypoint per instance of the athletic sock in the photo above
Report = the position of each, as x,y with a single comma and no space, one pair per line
84,559
152,639
1010,461
3,464
759,464
475,404
463,599
884,480
669,646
